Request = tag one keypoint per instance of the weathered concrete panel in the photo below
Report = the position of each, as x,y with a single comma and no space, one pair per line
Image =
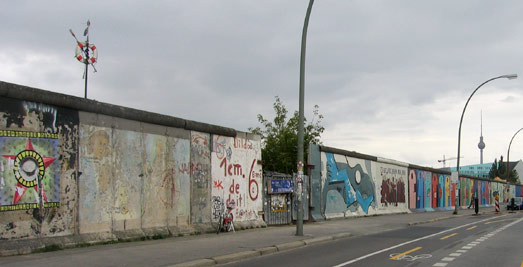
200,173
128,180
132,180
96,179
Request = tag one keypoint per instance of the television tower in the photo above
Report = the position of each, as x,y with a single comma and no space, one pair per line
481,144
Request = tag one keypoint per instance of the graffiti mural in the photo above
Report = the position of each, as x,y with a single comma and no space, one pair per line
237,175
413,198
353,184
441,190
392,186
27,158
428,189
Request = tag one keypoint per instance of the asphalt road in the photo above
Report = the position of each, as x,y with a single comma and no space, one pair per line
485,240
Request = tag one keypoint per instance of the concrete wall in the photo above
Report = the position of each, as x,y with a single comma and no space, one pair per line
111,172
345,184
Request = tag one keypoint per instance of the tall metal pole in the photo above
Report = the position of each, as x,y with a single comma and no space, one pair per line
299,220
86,33
86,63
510,77
508,153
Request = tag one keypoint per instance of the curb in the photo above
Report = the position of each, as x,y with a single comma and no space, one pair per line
236,256
443,218
195,263
290,245
260,251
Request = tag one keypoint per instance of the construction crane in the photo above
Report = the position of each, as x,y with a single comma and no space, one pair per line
444,160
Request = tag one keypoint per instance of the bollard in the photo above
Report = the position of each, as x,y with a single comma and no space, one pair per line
497,204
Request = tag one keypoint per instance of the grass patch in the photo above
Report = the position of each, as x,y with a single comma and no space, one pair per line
158,236
49,248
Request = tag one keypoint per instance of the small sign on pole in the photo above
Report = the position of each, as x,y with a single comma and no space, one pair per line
454,177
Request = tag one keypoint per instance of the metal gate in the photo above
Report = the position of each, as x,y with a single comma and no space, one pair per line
278,198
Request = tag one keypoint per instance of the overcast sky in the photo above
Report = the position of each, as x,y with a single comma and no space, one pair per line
390,77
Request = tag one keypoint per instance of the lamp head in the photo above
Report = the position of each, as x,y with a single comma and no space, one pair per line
510,76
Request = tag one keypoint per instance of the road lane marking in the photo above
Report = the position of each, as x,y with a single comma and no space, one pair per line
412,241
405,253
499,221
451,235
472,244
470,228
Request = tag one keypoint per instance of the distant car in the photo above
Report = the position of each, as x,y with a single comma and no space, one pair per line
515,203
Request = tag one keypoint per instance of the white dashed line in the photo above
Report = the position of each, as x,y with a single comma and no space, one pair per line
473,244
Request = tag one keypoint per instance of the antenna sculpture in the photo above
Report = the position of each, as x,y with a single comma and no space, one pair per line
86,53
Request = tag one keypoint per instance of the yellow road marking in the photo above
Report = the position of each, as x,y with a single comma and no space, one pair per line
499,221
405,253
445,237
522,264
472,227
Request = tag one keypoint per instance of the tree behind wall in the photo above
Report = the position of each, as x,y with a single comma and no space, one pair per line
280,138
499,169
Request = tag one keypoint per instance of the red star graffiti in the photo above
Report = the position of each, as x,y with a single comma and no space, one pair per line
29,167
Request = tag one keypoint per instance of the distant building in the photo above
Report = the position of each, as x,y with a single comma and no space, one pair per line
482,170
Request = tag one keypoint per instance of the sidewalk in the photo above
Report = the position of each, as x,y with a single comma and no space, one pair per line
211,249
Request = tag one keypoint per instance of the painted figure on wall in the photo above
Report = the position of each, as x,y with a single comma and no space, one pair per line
428,190
356,186
441,191
412,189
420,182
448,197
434,192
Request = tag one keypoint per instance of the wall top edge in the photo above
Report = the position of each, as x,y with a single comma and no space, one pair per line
394,162
347,153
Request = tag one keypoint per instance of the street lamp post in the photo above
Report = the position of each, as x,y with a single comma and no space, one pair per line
508,76
508,152
299,220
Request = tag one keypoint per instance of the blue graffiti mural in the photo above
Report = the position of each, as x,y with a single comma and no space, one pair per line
441,191
357,185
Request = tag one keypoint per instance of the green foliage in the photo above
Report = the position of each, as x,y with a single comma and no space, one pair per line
499,169
280,138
